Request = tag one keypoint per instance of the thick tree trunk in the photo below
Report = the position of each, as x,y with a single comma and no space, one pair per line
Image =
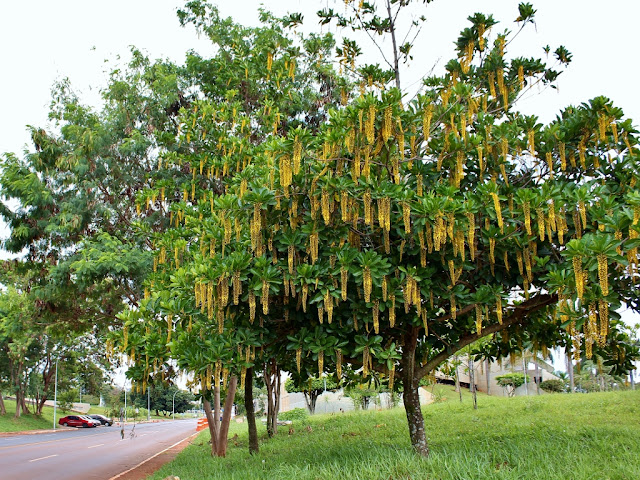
411,397
18,404
251,412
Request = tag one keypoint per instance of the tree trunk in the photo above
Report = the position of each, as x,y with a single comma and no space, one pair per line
488,368
48,374
219,430
18,404
3,409
272,382
537,379
223,433
472,383
572,385
411,397
254,447
632,380
310,399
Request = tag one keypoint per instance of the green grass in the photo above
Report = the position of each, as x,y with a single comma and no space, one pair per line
26,422
594,436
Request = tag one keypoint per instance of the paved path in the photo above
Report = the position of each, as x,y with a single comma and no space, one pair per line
97,453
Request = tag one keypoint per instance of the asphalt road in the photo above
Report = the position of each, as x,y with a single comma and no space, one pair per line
91,453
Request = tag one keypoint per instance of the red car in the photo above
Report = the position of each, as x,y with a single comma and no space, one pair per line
76,421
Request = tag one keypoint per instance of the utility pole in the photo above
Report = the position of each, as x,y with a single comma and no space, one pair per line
148,404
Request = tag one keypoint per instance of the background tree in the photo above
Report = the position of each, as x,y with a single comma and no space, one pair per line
312,388
511,381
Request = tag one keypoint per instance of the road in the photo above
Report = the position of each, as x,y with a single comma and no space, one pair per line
95,453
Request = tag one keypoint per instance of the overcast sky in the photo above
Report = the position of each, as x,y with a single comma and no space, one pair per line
45,40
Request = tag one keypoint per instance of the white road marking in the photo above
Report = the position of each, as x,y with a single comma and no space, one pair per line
42,458
94,446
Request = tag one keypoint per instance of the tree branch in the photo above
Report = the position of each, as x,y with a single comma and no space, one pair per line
520,313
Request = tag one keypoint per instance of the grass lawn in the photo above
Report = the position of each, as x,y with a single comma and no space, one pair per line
26,422
583,436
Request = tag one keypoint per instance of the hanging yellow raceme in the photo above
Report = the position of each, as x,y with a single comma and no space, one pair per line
603,274
313,247
578,275
498,209
367,283
344,274
392,311
526,209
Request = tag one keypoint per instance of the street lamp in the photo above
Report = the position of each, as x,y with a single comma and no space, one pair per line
173,405
55,397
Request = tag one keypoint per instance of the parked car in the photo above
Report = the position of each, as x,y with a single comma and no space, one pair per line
102,419
92,420
76,421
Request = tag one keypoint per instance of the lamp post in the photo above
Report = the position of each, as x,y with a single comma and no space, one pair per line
173,405
148,404
55,397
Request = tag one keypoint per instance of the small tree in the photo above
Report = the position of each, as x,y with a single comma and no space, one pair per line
512,381
312,389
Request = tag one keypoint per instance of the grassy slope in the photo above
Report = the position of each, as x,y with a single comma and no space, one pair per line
594,436
26,422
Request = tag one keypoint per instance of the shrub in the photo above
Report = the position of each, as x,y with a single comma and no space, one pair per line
295,414
553,385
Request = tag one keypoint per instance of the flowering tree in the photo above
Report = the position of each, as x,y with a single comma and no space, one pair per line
318,216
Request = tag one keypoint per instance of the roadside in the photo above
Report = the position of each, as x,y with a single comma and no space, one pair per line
152,464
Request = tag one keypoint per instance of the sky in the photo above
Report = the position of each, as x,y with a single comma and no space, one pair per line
43,41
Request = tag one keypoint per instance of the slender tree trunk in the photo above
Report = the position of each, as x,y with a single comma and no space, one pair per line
632,380
488,368
223,434
411,397
251,412
572,385
3,409
537,379
219,430
310,399
472,383
272,382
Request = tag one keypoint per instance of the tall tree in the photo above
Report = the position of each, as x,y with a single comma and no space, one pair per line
399,232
